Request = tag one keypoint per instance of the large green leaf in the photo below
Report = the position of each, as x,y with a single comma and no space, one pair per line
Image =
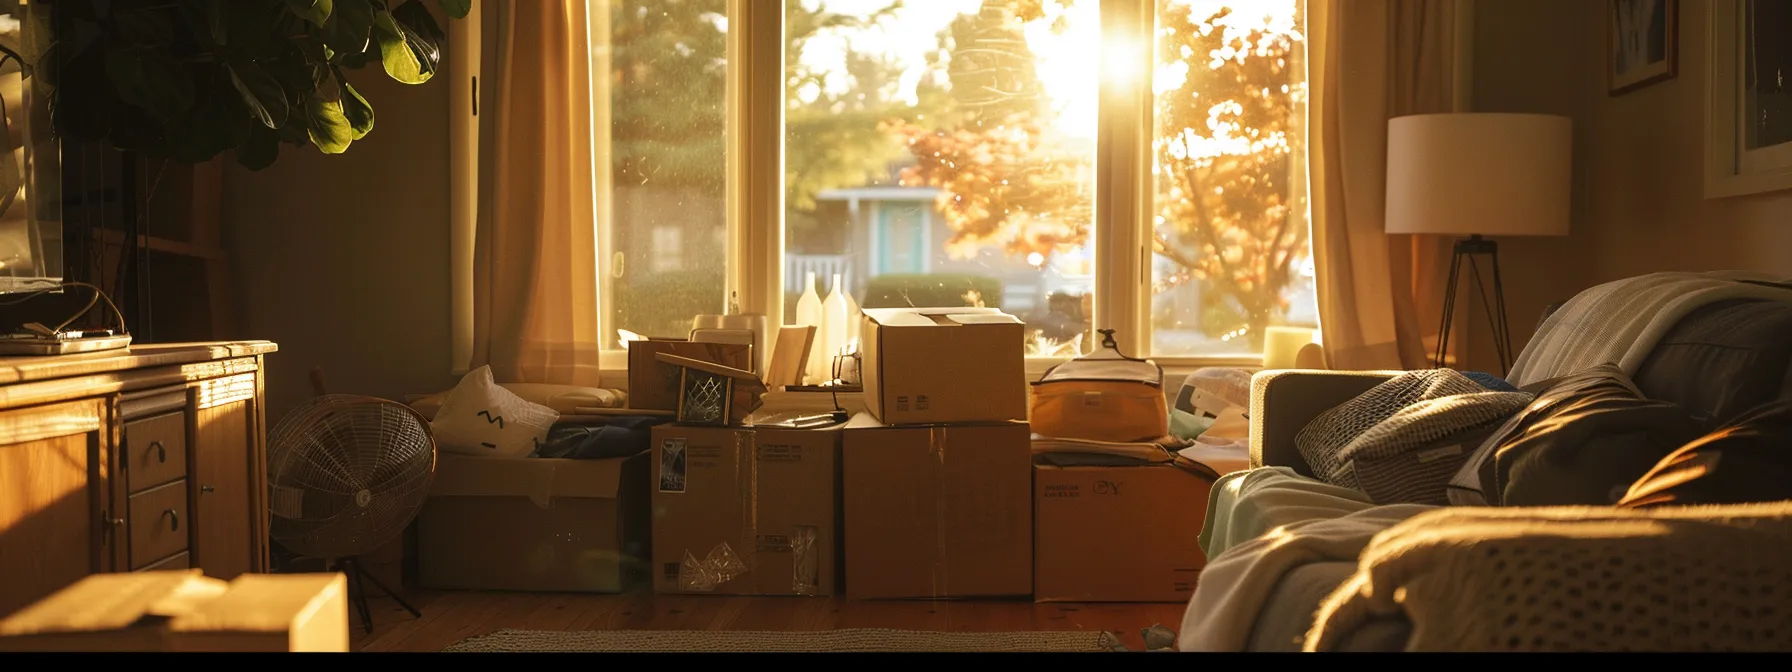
396,54
330,129
144,27
350,26
261,93
211,126
315,11
259,150
413,15
150,79
354,107
455,9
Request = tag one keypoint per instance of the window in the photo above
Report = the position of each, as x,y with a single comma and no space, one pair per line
1130,164
668,130
1229,222
942,153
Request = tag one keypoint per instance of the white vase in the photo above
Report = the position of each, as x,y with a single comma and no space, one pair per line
809,314
834,320
853,318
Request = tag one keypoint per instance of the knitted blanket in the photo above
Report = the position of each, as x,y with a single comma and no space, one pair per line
1621,321
1576,579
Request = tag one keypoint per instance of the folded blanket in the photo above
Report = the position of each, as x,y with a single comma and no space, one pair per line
1620,322
1235,585
1243,505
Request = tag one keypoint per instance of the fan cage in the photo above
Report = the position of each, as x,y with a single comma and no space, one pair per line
347,474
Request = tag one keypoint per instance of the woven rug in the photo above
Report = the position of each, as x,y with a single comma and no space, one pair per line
802,641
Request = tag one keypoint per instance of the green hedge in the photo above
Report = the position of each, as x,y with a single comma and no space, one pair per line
934,290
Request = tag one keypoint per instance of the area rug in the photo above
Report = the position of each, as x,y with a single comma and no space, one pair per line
800,641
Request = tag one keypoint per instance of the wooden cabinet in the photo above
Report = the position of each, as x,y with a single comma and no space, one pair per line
147,459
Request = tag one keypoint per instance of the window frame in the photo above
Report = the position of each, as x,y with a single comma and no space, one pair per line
755,184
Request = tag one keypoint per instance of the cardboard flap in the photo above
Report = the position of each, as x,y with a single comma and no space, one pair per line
103,602
263,603
938,317
540,480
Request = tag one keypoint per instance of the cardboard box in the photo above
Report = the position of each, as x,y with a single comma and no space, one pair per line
742,511
185,611
940,511
494,523
1117,534
653,385
944,365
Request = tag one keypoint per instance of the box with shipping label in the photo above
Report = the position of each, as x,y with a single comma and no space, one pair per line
940,511
653,385
941,365
530,524
1117,534
185,611
745,511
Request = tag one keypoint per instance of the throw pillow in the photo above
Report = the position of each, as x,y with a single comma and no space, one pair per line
1748,460
1328,433
1583,441
1410,457
479,417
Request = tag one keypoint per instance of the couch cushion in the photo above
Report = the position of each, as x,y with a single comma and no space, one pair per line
1722,359
1748,460
1327,434
1583,441
1410,457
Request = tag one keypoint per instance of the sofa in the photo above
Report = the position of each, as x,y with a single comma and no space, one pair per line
1717,361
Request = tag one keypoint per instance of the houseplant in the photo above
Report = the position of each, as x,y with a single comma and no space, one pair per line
191,79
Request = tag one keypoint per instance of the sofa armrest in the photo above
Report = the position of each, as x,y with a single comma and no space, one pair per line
1574,578
1284,401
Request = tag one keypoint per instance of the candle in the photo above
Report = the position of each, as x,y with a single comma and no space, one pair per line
1282,346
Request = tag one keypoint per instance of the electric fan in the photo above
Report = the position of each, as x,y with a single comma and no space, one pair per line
346,475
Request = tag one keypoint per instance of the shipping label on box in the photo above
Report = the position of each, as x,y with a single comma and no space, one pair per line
944,365
939,511
1118,534
743,511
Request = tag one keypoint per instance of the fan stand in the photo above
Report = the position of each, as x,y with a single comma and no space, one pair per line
358,578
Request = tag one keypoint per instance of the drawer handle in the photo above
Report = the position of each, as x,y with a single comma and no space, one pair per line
161,452
170,513
207,488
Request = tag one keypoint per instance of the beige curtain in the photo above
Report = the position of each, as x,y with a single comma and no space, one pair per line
1380,296
535,280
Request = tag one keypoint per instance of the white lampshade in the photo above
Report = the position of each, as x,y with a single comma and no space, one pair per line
1480,174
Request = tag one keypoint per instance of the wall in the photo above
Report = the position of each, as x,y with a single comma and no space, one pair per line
343,260
1639,203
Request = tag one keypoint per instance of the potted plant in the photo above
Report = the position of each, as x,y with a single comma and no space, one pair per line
191,79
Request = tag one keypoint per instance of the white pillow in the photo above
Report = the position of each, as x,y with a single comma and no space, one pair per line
481,418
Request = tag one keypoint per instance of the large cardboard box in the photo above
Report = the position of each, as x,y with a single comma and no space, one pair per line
1117,534
185,611
944,365
942,511
744,511
532,524
653,384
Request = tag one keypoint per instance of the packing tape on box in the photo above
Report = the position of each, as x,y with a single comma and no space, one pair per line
936,447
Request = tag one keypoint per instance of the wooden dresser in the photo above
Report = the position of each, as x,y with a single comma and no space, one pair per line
147,458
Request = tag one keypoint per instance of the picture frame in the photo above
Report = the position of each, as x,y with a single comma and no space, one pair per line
1748,142
1642,43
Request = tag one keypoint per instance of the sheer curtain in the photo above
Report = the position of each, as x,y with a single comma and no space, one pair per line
1380,296
536,316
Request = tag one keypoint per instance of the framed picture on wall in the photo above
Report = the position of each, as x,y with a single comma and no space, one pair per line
1748,116
1642,41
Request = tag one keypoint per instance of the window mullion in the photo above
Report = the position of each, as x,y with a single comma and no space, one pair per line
756,156
1123,174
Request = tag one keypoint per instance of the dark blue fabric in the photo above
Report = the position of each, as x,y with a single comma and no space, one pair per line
619,437
1491,382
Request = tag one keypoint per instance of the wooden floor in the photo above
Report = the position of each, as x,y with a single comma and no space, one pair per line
449,617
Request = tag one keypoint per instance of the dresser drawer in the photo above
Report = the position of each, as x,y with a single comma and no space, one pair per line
157,450
159,523
177,561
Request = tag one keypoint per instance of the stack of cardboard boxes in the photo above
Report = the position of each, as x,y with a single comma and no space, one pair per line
930,493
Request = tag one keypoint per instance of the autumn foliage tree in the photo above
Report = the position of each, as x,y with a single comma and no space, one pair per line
1229,88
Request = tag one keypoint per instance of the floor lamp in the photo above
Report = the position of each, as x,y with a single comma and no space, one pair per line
1475,176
